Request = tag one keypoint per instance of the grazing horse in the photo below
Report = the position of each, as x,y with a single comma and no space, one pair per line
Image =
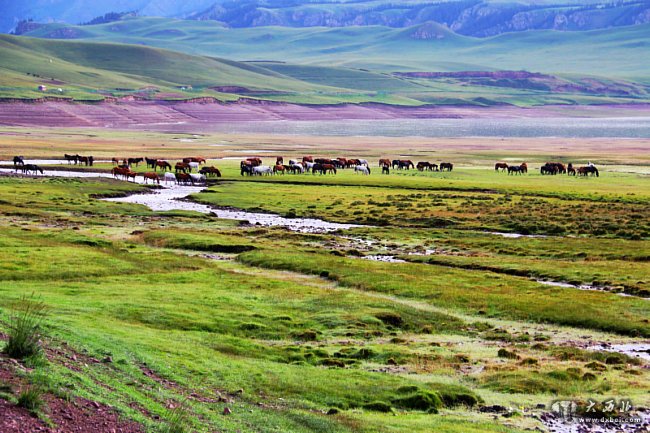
588,170
184,178
153,176
570,170
395,163
383,162
262,170
342,162
86,160
405,164
363,169
19,160
164,165
170,177
193,165
210,171
27,168
423,165
135,161
181,166
500,166
198,178
446,166
71,158
279,168
151,163
385,169
514,169
296,168
328,168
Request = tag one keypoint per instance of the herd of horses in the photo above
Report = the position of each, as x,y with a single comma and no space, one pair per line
182,170
255,167
550,168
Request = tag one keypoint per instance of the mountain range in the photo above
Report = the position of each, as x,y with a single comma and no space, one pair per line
479,18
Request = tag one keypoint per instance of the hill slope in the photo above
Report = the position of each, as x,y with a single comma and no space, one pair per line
617,52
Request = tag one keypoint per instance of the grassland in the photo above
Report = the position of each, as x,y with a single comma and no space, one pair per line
149,310
117,60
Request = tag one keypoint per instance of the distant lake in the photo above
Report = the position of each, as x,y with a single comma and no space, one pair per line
619,127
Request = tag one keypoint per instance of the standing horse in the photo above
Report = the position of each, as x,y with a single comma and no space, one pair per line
514,169
524,167
170,177
71,158
262,170
151,163
279,168
446,166
27,168
181,166
363,169
135,161
19,160
385,169
279,160
570,171
153,176
500,166
164,165
383,162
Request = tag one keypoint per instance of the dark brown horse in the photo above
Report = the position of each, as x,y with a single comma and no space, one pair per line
446,166
164,165
210,171
71,158
500,166
182,166
384,161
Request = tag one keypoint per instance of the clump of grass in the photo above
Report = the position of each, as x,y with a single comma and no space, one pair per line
25,329
177,419
31,399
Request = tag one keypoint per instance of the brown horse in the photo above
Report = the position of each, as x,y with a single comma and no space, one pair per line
210,171
182,166
500,166
524,167
308,158
279,160
153,176
184,178
278,168
198,159
164,165
116,161
384,161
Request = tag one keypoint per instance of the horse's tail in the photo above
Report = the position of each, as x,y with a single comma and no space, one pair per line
368,170
596,171
216,170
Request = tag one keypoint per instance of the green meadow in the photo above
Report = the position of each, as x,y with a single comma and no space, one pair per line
301,331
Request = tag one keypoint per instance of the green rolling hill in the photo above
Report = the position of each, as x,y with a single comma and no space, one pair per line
616,52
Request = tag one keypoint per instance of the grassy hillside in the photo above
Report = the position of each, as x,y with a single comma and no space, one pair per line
616,52
90,70
338,66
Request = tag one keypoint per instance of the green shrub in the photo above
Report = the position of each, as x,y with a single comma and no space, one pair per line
377,406
31,399
25,329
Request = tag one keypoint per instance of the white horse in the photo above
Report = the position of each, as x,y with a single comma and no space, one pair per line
363,169
298,167
308,166
363,162
194,166
292,162
170,177
262,170
198,178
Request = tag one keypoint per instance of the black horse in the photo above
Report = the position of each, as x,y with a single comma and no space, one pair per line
31,168
446,166
19,160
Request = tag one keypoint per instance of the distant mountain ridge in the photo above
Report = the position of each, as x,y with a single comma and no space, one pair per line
478,18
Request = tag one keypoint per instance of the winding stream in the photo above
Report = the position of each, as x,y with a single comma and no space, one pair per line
173,197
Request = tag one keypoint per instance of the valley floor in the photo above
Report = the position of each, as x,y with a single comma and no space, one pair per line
463,301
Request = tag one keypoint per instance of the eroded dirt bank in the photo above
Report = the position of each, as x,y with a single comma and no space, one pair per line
151,113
